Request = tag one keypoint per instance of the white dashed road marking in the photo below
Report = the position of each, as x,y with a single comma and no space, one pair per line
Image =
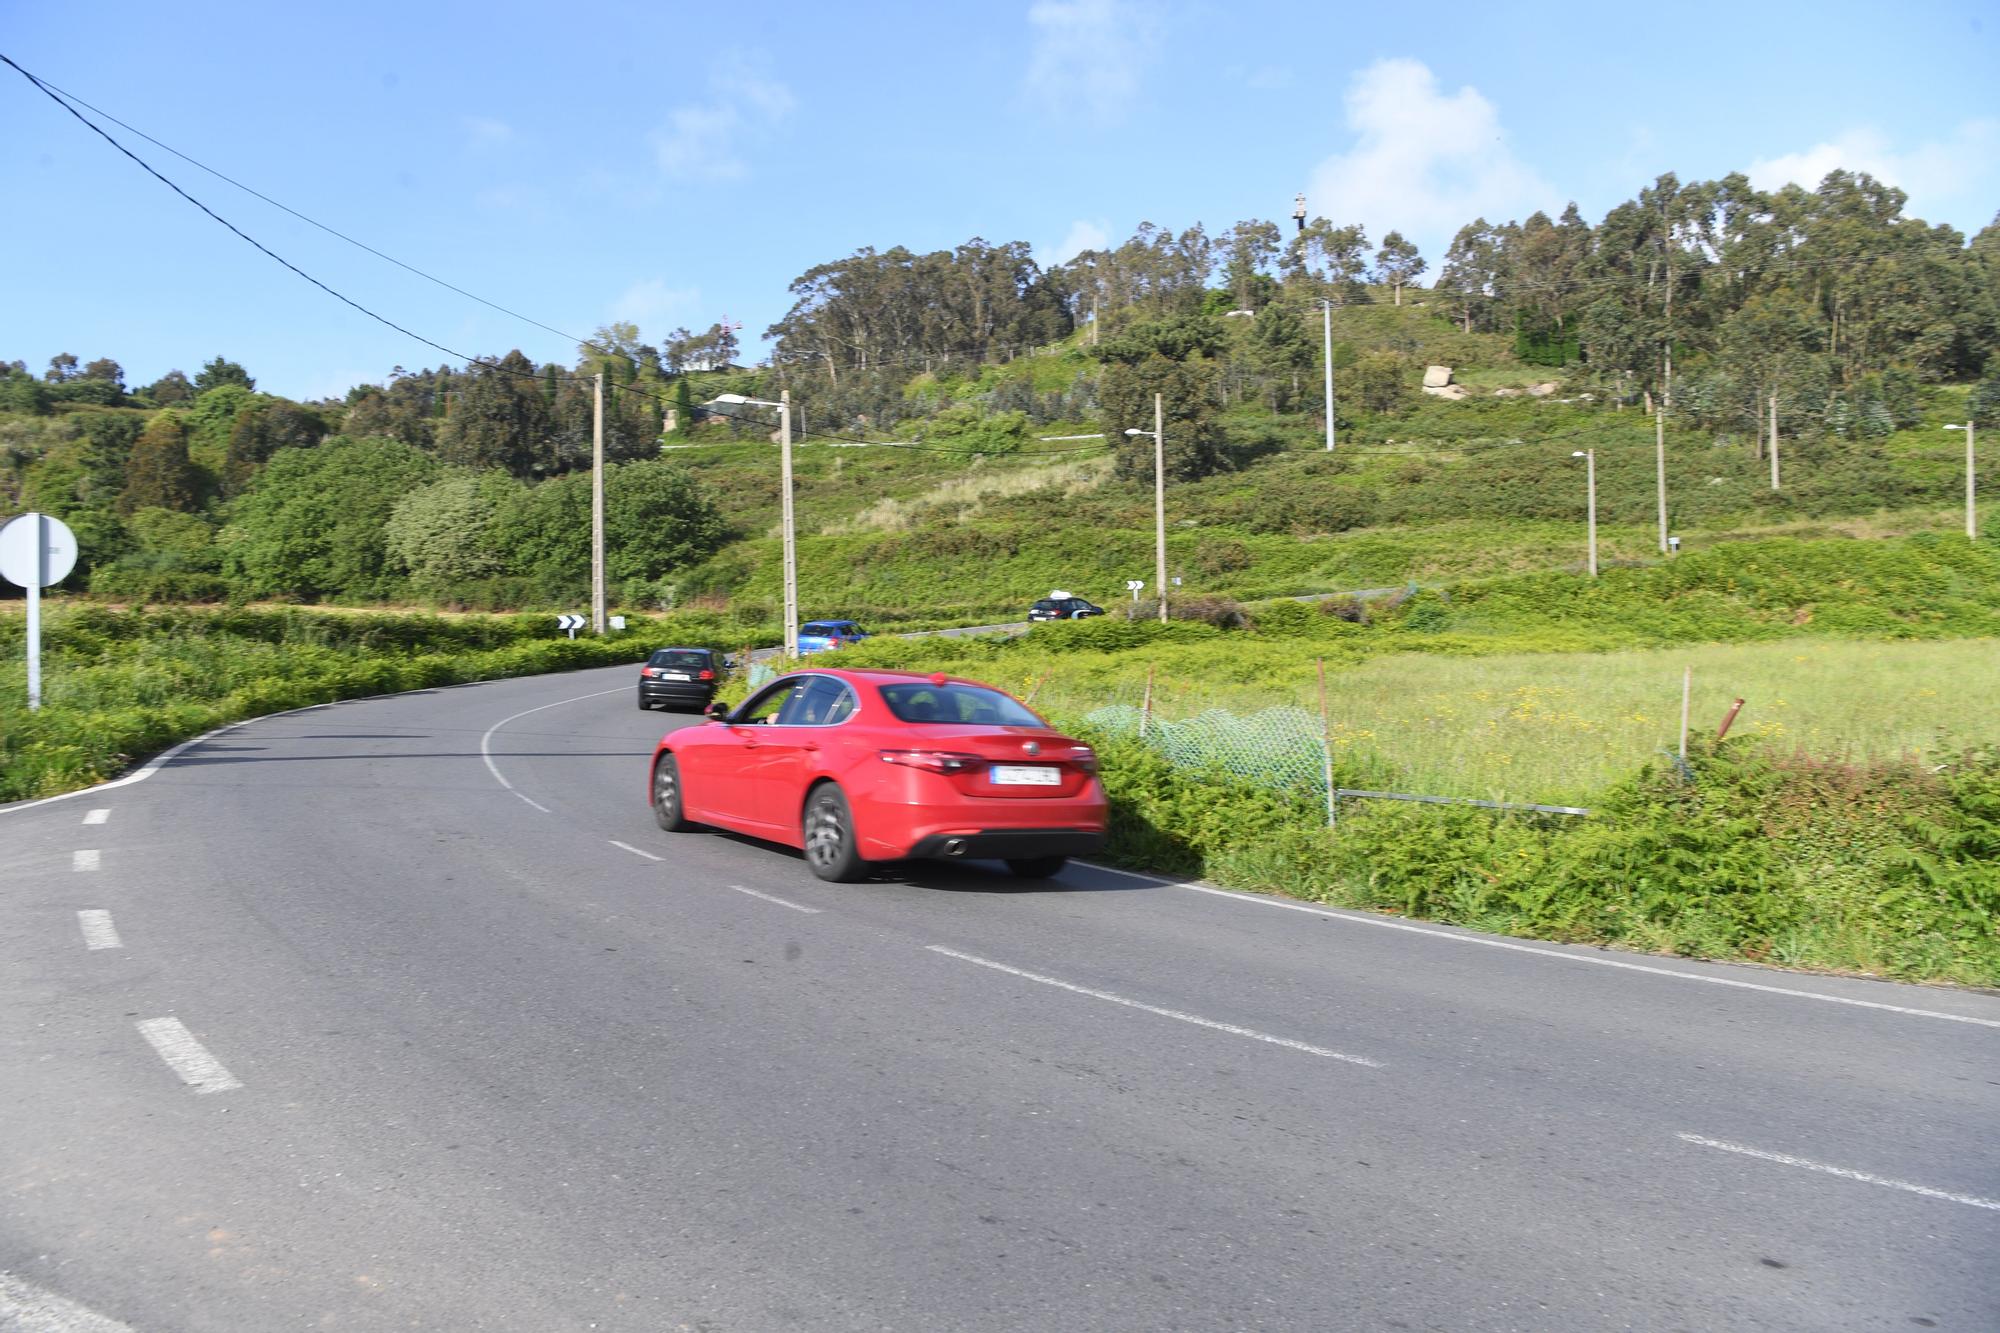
96,816
186,1056
83,860
772,898
628,847
32,1309
1784,1159
98,932
1176,1014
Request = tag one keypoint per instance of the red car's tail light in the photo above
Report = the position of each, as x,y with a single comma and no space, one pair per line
1084,758
933,761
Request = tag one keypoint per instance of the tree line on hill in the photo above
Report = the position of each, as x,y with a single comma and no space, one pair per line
1709,299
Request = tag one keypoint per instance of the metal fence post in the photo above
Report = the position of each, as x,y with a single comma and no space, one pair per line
1326,747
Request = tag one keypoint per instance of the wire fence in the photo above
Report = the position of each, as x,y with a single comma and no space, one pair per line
1285,749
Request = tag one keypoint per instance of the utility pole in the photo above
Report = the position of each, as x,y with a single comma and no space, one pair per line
1589,457
1971,498
1160,501
1774,441
791,539
1590,472
1971,485
1326,309
1660,451
597,622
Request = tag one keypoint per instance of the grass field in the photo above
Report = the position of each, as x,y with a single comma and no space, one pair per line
1559,727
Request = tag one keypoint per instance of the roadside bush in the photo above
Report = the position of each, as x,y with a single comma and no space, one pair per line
1885,868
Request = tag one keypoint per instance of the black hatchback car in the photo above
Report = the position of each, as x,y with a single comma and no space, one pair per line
1063,606
680,678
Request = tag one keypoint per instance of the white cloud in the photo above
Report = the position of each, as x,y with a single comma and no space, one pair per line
651,304
486,132
1948,169
1084,234
1089,56
705,140
1423,162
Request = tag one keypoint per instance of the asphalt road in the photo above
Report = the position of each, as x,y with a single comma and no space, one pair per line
401,1014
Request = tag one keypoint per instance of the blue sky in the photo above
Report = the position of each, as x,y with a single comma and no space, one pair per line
678,164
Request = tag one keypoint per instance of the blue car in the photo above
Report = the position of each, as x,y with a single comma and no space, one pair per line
817,636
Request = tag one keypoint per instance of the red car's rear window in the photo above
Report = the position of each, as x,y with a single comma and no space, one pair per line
921,701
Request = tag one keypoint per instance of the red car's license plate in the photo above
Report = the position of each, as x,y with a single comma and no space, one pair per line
1025,775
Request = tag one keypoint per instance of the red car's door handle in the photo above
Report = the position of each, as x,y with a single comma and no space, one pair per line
809,745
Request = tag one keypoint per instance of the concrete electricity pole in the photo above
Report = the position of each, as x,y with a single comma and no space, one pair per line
1159,434
1971,485
1660,450
791,536
597,622
1589,457
1160,502
1326,309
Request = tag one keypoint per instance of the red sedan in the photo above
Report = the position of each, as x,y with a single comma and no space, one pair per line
860,766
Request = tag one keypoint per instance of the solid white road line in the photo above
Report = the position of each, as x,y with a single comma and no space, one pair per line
1784,1159
772,898
98,932
96,816
27,1308
1388,923
186,1056
83,860
626,846
532,801
165,757
486,741
1198,1021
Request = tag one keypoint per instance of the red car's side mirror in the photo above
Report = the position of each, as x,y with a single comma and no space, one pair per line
716,710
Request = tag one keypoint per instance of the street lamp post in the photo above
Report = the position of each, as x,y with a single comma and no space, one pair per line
1589,457
1971,484
1159,434
784,406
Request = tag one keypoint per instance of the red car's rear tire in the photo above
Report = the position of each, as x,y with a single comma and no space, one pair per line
831,849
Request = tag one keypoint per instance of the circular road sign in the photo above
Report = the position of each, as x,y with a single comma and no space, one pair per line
36,551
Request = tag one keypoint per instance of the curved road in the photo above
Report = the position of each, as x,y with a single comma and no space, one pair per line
400,1014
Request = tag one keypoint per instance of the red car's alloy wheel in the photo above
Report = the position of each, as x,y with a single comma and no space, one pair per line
667,795
829,836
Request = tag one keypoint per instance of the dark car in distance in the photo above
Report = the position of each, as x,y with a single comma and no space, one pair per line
680,678
1060,605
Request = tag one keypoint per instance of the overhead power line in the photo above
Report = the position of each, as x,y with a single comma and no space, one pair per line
314,222
245,236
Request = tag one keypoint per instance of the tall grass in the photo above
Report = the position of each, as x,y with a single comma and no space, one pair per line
1558,727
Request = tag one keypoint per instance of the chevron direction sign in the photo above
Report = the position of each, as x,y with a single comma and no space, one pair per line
570,623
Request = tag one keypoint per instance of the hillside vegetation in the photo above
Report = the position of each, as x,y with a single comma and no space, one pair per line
971,431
